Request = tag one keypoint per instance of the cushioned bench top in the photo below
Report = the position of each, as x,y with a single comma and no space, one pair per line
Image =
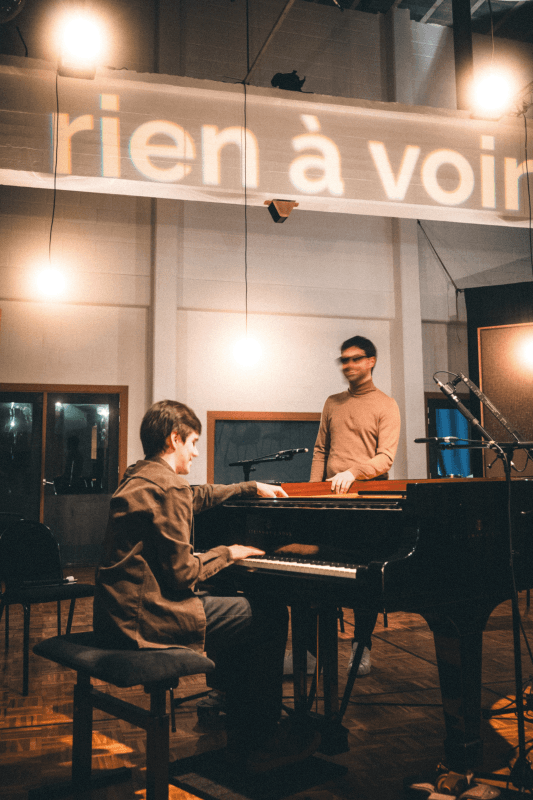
123,667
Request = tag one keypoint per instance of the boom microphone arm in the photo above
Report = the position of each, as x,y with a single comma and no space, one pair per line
448,389
494,411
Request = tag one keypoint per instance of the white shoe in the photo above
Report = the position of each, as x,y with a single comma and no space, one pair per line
365,663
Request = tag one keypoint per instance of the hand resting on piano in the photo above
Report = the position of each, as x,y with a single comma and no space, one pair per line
269,490
341,482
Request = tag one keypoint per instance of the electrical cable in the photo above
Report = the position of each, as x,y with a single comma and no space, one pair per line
56,149
441,262
528,193
245,159
245,221
491,33
439,259
22,40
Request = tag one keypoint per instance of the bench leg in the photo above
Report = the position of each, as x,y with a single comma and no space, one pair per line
26,649
70,615
3,605
82,731
157,748
82,742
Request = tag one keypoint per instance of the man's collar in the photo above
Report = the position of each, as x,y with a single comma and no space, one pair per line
363,388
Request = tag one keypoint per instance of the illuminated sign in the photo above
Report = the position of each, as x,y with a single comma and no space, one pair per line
186,139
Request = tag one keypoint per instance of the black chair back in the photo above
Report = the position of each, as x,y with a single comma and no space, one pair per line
29,555
7,517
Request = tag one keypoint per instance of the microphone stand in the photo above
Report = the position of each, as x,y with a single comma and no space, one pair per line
521,774
281,455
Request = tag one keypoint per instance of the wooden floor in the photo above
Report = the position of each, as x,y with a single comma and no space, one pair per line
394,718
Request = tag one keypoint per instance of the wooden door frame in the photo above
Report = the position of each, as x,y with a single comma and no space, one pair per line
256,416
70,388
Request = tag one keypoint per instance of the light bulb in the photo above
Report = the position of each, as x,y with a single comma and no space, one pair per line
50,282
81,40
526,353
247,352
492,93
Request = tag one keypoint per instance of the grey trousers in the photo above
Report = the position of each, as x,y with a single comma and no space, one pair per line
246,638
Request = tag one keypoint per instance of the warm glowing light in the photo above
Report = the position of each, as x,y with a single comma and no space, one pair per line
81,40
247,352
50,282
493,93
526,353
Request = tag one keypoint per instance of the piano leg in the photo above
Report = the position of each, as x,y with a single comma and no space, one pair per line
458,637
333,734
300,645
328,657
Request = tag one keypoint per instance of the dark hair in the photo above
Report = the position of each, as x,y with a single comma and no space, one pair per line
163,418
366,345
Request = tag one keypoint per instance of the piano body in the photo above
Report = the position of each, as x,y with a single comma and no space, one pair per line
438,548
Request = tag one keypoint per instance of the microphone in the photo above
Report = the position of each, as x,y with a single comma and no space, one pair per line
449,390
293,452
437,440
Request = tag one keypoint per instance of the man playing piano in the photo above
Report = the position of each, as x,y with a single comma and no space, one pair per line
147,595
357,440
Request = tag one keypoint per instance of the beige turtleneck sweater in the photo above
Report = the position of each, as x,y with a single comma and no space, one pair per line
359,432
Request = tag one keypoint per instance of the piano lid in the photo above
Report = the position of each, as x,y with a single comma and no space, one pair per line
388,489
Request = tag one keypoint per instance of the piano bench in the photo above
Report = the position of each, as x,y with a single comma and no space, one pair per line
157,670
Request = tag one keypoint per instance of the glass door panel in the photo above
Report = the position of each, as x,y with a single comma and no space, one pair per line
21,419
445,420
81,470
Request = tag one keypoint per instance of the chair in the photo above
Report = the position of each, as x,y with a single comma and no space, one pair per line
7,517
156,670
31,572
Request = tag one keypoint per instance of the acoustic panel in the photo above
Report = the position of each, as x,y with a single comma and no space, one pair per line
506,378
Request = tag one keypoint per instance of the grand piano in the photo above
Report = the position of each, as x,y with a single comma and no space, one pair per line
438,548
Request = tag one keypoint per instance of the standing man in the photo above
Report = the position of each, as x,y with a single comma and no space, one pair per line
357,440
147,596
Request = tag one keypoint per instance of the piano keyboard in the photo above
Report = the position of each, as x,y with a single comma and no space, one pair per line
323,568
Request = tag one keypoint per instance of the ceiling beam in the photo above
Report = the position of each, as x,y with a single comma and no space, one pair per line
463,52
432,10
476,5
508,14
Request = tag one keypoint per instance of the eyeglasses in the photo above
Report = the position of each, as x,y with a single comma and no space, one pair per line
347,359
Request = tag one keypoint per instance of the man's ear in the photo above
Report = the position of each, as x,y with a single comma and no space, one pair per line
171,441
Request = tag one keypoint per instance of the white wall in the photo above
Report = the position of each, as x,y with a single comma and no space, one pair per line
96,332
313,281
319,264
296,372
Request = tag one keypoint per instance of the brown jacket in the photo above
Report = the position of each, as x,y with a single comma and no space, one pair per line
145,583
